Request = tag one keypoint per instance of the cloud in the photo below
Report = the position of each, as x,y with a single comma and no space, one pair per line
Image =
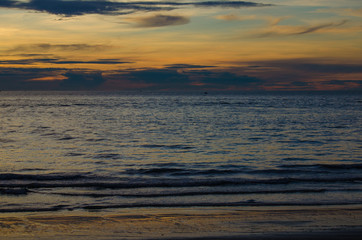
45,47
187,66
82,7
343,85
81,80
159,78
299,84
160,20
99,61
304,74
343,82
59,61
285,30
7,3
330,68
21,78
222,80
49,79
310,66
292,74
192,78
26,61
316,28
229,4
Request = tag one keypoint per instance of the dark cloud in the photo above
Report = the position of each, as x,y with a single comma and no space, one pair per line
49,79
272,75
77,8
58,61
230,79
173,79
229,4
22,78
225,80
178,77
344,85
299,30
311,29
160,20
342,82
187,66
329,68
33,55
82,80
356,83
160,78
302,74
27,61
310,65
299,84
100,61
107,7
7,3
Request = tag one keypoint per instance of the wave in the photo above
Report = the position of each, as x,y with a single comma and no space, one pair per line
155,183
342,166
66,138
114,156
3,140
248,203
14,191
165,146
198,193
43,177
32,209
181,171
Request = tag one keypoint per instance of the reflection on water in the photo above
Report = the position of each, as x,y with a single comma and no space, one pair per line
116,150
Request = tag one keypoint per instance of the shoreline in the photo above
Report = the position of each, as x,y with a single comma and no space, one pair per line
337,222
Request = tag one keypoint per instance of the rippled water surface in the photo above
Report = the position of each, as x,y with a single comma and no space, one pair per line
86,151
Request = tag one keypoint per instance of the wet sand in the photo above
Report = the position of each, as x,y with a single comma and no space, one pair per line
223,223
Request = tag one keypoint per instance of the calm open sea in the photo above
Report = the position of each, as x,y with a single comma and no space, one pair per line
103,151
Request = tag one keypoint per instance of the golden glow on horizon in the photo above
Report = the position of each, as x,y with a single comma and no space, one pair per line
220,37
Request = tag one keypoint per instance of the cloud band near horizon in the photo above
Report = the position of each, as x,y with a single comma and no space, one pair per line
184,77
71,8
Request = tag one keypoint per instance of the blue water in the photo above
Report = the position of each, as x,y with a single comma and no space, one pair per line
103,151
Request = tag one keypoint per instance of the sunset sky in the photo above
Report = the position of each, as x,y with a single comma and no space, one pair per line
180,45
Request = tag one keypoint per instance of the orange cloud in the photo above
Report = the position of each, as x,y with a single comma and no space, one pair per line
49,78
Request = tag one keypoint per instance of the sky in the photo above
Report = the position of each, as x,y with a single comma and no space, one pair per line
181,45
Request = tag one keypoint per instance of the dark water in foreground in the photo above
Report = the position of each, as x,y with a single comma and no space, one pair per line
88,151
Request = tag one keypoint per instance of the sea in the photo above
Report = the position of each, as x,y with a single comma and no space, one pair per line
118,151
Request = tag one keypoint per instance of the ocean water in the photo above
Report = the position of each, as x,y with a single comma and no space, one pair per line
84,151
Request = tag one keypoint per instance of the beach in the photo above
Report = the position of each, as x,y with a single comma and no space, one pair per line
334,222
